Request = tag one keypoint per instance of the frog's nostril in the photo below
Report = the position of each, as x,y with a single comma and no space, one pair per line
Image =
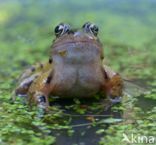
82,35
77,34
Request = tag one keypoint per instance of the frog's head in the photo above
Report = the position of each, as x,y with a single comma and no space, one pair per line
76,46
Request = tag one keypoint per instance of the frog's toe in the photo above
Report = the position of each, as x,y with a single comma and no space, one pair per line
41,100
42,106
115,100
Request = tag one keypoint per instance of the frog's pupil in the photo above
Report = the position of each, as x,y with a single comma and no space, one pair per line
94,29
88,25
58,30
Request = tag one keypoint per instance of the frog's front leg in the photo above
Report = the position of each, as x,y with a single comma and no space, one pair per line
40,91
113,85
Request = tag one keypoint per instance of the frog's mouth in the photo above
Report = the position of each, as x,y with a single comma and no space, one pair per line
77,38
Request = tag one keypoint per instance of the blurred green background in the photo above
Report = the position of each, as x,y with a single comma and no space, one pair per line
126,29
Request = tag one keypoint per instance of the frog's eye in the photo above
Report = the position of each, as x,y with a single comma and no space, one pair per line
90,28
61,29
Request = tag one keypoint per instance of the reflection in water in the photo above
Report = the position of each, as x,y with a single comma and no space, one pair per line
84,127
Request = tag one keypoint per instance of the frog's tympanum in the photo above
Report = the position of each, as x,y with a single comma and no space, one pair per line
75,69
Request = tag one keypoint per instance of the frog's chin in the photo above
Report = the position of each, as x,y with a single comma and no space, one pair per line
84,42
77,53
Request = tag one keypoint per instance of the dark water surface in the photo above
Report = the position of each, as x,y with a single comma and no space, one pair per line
84,130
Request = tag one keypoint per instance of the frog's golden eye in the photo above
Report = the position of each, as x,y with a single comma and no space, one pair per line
61,29
90,28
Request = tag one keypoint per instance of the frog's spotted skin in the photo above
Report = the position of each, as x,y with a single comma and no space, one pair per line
75,69
29,77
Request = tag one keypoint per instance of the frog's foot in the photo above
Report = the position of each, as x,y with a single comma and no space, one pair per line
114,89
41,100
113,86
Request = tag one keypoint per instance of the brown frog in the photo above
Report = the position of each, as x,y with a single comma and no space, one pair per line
75,69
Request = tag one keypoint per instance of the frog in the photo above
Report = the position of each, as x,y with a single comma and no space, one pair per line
75,69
